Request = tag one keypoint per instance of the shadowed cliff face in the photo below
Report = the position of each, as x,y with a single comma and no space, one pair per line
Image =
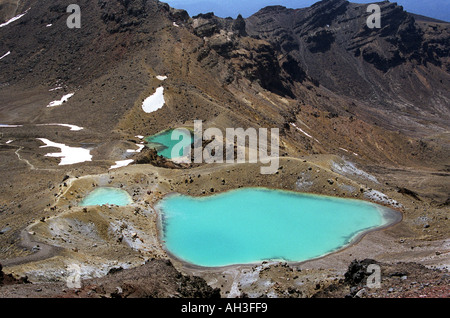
333,44
401,67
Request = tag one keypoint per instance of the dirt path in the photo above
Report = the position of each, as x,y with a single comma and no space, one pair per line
23,159
43,251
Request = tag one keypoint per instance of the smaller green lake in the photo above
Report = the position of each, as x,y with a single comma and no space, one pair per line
107,196
165,146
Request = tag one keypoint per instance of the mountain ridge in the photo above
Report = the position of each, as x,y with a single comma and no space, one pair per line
376,75
348,101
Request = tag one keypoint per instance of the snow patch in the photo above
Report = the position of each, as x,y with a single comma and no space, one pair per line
9,141
68,155
64,99
138,150
72,127
13,19
10,126
5,55
154,102
303,132
121,163
176,25
354,153
161,78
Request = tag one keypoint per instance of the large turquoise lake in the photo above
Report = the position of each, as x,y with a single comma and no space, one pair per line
251,225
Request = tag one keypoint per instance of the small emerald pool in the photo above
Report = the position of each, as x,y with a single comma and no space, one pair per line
107,196
165,146
251,225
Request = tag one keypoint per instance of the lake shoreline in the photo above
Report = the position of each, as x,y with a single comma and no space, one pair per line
390,217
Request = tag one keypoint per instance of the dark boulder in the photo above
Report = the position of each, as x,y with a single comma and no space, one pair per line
357,272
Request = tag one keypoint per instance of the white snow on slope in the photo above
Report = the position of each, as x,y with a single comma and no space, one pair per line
10,126
64,99
72,127
349,151
6,54
121,163
303,132
13,19
138,150
68,155
161,78
154,102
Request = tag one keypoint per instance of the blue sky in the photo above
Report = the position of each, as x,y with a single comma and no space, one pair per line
439,9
